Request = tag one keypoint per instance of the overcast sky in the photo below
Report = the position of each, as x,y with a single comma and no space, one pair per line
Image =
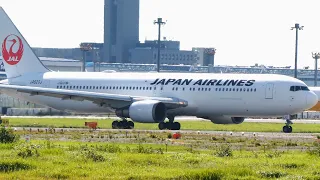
244,32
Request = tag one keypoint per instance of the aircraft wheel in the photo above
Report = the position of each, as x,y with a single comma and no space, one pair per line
176,126
162,125
287,129
130,125
115,125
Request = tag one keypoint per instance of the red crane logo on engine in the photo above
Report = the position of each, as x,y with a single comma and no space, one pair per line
15,52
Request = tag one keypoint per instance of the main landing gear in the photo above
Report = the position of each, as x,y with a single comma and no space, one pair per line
287,128
124,124
169,125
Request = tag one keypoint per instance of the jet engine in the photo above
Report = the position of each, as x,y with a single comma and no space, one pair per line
147,111
225,119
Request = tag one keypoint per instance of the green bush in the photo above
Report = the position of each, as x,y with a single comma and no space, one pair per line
272,174
91,153
13,166
7,135
224,151
27,150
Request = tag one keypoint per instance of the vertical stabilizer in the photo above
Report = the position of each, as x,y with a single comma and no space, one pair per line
18,57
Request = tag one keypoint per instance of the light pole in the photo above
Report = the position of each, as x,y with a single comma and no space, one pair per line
315,56
84,48
159,22
297,27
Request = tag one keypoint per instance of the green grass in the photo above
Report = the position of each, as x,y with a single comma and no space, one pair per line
59,161
185,125
151,155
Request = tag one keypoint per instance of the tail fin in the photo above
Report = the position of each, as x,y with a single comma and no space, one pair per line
17,55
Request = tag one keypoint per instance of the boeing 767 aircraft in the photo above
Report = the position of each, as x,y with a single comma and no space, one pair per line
148,97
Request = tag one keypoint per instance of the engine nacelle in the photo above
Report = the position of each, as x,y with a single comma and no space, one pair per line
147,111
226,120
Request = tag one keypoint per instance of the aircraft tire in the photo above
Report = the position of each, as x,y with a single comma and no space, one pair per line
287,129
176,126
130,125
115,125
162,125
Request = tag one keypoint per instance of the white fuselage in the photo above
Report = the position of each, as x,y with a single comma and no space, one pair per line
206,94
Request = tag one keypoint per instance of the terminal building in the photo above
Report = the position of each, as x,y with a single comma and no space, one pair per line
170,53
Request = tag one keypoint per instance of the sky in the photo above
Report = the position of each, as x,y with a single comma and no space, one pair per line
244,32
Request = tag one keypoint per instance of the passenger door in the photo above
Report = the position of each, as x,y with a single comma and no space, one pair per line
269,91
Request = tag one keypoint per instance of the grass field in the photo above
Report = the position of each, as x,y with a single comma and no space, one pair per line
120,155
185,125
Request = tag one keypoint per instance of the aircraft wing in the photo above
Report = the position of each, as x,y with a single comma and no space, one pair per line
102,99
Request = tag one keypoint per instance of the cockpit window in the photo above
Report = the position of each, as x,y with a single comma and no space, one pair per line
299,88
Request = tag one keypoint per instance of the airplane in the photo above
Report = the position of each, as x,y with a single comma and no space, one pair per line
148,97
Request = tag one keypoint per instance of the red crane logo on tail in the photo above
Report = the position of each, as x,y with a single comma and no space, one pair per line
15,52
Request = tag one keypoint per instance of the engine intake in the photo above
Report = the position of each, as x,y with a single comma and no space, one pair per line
147,111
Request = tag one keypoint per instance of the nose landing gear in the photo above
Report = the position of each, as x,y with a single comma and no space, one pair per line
287,128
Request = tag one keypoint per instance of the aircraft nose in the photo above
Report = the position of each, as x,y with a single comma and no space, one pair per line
312,99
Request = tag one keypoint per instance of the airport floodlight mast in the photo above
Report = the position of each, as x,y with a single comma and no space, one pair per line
85,47
315,56
159,22
297,27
